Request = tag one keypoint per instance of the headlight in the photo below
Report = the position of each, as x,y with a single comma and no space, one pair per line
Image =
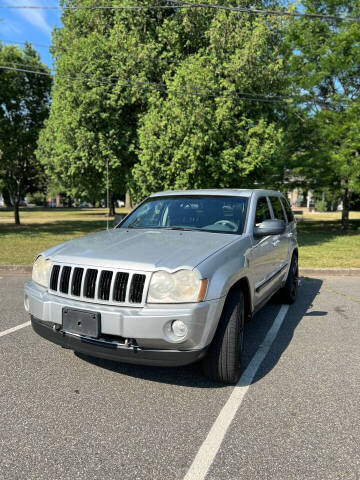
41,271
183,286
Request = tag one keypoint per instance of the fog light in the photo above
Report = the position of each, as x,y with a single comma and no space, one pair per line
179,328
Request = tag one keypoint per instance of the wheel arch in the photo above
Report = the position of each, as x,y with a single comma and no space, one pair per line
295,253
243,285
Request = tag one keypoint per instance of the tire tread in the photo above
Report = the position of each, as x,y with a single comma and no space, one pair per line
222,362
284,294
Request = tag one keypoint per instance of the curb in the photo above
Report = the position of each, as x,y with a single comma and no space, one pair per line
15,268
316,272
304,272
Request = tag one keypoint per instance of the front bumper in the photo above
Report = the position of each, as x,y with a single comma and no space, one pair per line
117,351
147,325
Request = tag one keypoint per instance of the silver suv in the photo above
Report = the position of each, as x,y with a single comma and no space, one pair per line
171,284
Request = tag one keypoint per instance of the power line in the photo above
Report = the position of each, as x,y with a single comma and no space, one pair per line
251,97
256,11
111,80
155,86
25,43
183,5
101,80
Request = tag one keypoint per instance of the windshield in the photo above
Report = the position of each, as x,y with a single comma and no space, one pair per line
205,213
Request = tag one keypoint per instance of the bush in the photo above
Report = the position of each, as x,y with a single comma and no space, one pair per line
37,198
321,206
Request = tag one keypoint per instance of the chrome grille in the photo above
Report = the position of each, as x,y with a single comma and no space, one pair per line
99,285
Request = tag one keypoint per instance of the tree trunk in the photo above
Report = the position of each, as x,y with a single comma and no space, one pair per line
16,212
7,198
111,205
128,202
346,209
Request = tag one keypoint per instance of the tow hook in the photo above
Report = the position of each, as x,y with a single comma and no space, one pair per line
131,343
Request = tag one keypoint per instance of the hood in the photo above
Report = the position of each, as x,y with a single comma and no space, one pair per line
145,250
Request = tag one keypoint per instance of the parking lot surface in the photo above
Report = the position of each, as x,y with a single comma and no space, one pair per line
66,416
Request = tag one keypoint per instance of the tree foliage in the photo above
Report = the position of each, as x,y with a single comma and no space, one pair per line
325,74
102,61
202,133
135,100
158,95
24,99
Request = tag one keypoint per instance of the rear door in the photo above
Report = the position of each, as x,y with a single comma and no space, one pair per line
280,242
262,254
291,225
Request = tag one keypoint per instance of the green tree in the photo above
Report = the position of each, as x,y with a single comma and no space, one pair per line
133,73
325,74
24,99
104,62
200,133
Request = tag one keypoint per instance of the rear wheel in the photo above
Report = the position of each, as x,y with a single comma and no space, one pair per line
223,359
287,294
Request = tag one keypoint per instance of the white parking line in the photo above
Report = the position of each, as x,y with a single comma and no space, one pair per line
11,330
212,443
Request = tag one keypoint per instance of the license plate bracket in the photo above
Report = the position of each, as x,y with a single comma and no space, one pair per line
81,322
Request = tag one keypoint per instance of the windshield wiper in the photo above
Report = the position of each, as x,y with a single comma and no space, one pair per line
188,229
180,228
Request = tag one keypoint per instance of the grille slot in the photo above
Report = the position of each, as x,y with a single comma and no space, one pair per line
54,277
90,283
119,291
76,281
104,284
64,280
136,288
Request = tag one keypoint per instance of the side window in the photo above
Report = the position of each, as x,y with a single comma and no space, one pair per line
262,211
289,213
277,208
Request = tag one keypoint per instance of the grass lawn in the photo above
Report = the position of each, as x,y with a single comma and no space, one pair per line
43,228
322,244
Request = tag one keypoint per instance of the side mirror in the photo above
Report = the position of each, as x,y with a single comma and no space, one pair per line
269,227
118,218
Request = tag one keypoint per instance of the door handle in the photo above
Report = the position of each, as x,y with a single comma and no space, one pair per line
275,243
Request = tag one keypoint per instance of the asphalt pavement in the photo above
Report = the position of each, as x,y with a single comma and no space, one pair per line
66,416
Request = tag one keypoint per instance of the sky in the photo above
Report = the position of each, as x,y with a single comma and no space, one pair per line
34,26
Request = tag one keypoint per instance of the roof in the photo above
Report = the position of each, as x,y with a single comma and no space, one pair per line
231,192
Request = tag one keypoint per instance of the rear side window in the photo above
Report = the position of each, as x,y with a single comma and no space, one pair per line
277,208
262,211
288,210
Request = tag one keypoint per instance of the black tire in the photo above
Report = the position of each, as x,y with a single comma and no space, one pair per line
287,294
223,360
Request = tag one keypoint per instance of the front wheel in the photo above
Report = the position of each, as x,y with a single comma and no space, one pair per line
222,362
